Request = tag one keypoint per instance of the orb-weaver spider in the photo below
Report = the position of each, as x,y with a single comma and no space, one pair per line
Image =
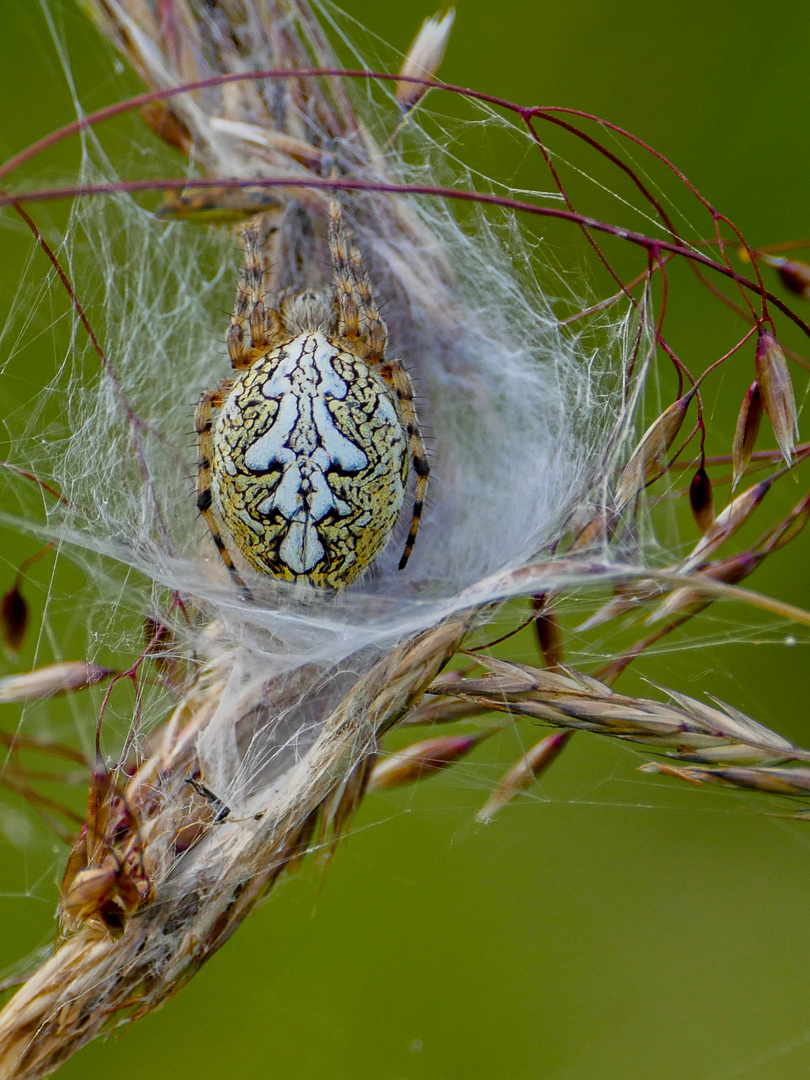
306,462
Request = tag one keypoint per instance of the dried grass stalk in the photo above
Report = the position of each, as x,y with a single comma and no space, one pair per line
203,893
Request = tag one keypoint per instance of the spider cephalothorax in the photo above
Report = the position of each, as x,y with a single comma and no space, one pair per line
306,463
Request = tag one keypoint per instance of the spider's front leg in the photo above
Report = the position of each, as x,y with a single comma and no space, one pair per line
250,313
210,400
365,333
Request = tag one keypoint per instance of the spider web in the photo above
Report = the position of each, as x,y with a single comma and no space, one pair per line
158,295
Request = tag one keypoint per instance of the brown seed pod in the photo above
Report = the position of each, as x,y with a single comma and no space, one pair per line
13,619
549,633
701,499
794,273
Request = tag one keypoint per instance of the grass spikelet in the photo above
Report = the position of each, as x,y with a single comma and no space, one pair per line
54,679
13,619
731,518
523,773
745,434
423,59
422,759
701,500
648,458
777,393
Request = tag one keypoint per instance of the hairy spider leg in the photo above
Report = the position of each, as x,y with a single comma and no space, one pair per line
357,304
343,277
210,400
395,374
250,312
375,334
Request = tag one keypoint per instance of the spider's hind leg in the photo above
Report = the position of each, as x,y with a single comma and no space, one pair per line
395,374
210,400
362,326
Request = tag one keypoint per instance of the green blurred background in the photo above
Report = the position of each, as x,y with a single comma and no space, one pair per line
609,925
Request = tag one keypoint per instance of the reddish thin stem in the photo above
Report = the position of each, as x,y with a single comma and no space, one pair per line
458,194
31,560
722,360
559,185
36,480
612,158
139,100
611,299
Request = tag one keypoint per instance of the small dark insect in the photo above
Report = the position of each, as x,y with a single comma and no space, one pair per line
221,811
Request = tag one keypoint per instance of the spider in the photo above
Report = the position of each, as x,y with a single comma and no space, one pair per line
306,462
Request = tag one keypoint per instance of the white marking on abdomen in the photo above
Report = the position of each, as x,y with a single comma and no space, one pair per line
304,442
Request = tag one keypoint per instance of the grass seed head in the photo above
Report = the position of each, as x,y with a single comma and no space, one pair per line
523,773
424,58
777,393
745,434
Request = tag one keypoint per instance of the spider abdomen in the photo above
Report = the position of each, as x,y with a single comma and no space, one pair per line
309,462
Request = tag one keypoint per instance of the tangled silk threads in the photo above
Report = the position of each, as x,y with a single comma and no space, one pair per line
517,411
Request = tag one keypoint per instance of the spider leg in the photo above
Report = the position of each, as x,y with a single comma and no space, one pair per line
375,333
210,400
356,302
250,313
349,324
395,374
